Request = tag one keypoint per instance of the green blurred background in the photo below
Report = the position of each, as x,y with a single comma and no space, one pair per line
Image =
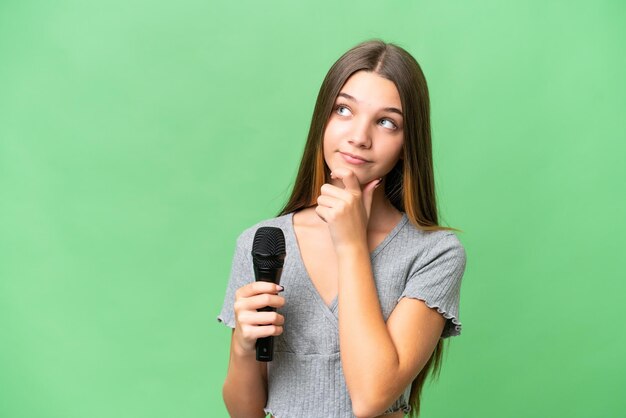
139,138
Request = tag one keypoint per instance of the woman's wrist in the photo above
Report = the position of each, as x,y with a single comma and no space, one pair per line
241,351
351,250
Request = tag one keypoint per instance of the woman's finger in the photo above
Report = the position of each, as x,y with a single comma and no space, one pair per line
259,301
257,288
334,191
261,318
252,333
327,201
323,212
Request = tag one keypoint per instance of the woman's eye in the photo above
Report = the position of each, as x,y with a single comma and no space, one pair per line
343,111
388,123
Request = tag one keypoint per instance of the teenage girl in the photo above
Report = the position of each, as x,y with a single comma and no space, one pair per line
371,282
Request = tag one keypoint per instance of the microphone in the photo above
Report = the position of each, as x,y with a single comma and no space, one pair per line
268,256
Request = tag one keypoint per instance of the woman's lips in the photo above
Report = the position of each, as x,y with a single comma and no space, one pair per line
353,159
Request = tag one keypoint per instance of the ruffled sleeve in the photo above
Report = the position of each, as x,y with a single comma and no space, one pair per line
436,280
241,273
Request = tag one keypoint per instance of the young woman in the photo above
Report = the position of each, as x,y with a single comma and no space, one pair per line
371,282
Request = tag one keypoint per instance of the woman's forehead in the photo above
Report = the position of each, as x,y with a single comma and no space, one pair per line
369,88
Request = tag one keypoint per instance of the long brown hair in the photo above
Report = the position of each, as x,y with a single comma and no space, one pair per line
410,185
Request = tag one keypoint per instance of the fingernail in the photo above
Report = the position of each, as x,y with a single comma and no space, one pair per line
280,288
380,180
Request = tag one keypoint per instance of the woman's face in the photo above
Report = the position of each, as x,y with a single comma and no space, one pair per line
365,130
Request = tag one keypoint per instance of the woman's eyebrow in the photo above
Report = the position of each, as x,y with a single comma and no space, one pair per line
386,109
347,96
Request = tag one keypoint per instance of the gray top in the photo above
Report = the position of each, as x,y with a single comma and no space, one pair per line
306,379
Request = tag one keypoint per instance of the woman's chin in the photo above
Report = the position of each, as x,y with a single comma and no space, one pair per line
362,175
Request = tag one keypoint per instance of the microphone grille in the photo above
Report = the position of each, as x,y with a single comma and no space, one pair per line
268,247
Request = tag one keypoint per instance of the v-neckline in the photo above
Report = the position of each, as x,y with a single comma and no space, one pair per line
332,307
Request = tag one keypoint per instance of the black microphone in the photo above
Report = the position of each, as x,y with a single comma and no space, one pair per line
268,256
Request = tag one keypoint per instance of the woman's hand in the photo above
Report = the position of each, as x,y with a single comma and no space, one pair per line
346,211
250,324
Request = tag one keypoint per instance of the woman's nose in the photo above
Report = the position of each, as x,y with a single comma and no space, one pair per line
360,136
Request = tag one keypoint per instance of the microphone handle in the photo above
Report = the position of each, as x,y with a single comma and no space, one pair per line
265,345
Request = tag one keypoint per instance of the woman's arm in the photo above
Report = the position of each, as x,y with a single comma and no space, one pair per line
245,387
379,359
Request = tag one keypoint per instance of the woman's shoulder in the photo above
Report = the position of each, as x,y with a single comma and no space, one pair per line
438,239
430,250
